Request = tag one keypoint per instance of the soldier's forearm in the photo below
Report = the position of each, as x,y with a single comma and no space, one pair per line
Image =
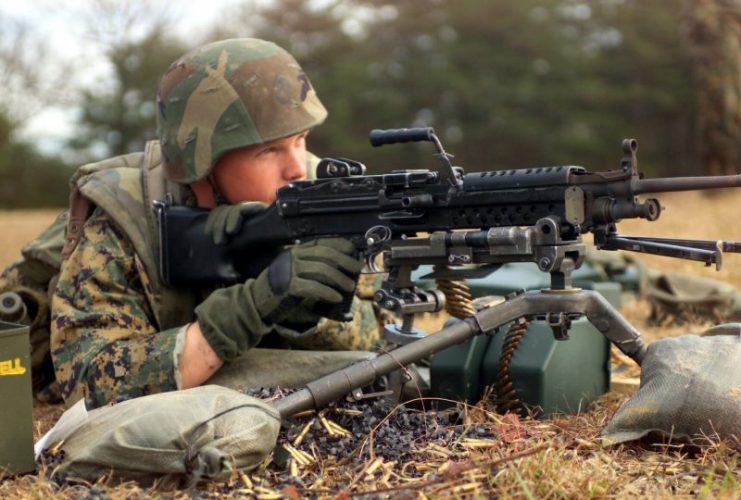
198,360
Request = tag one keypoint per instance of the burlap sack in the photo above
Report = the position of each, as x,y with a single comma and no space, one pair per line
177,437
690,389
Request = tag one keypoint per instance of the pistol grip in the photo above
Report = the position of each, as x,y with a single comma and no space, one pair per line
341,311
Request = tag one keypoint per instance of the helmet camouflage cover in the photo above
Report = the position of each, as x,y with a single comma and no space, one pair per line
226,95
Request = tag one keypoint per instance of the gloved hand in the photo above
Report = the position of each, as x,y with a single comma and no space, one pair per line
225,221
234,319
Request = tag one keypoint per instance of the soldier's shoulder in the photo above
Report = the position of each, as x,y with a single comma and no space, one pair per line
102,230
129,160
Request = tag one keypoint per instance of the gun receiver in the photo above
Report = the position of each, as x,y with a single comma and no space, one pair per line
465,224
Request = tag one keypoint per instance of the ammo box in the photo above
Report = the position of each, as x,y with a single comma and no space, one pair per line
16,403
548,375
526,276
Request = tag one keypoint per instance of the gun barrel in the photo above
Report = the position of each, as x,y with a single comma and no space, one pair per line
686,183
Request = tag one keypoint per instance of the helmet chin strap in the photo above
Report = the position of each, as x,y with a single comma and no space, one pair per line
219,198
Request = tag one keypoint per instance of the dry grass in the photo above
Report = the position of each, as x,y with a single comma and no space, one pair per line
19,227
551,459
698,215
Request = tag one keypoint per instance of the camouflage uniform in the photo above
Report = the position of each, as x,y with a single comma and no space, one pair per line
31,278
117,332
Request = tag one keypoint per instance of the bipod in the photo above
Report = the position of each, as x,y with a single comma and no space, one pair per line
558,305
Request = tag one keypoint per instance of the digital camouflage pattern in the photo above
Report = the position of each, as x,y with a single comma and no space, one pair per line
117,332
105,344
31,278
116,186
226,95
110,340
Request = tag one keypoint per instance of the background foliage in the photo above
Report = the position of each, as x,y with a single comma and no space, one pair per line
505,83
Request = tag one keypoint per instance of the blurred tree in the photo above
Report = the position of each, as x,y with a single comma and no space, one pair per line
30,75
28,179
29,81
713,30
505,84
640,83
118,116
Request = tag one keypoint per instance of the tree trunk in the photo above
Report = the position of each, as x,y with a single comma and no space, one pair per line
713,32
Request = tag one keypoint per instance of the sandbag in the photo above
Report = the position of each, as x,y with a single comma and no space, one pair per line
679,298
181,436
621,267
259,367
674,298
690,389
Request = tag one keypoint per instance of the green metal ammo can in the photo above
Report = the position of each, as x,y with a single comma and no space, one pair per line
16,400
548,375
553,376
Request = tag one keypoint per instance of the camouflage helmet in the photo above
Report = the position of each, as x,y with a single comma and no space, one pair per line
226,95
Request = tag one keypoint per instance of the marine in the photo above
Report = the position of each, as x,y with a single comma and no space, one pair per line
233,120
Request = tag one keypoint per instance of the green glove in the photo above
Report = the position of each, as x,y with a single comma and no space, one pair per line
234,319
225,221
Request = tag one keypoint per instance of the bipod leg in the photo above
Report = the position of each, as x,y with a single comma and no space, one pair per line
598,311
568,302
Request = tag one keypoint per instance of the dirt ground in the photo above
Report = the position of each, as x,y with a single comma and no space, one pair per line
555,458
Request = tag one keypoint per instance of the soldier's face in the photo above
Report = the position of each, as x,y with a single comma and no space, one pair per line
254,173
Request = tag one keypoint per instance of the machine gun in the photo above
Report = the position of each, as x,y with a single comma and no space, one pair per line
467,225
